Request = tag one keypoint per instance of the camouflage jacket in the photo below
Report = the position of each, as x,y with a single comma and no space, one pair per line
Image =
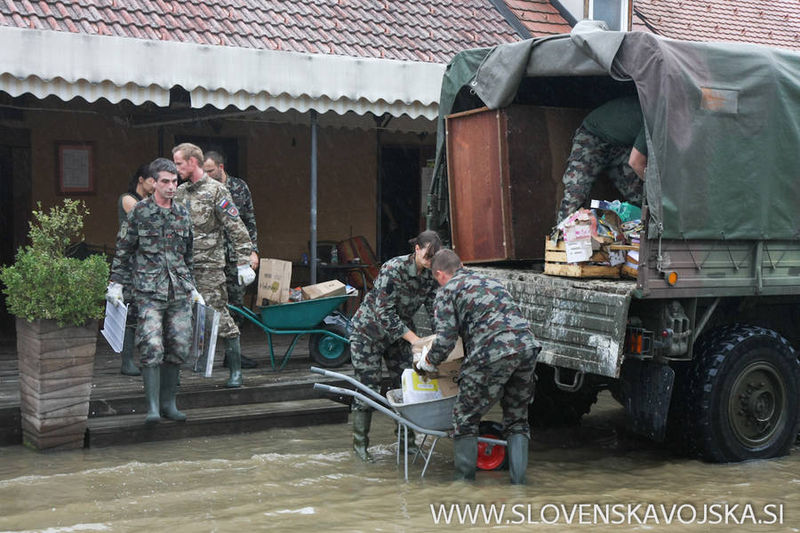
154,250
397,294
240,193
481,311
212,210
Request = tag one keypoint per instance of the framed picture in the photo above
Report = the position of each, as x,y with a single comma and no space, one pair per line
75,167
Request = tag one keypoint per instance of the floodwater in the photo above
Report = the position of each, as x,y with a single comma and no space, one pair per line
592,478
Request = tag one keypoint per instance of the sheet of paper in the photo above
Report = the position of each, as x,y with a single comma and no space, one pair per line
114,325
579,250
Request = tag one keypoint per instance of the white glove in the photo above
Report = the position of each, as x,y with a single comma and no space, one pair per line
246,274
114,293
197,298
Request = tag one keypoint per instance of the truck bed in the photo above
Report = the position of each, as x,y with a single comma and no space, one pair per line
579,322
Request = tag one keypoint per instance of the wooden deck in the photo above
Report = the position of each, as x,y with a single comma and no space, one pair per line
116,412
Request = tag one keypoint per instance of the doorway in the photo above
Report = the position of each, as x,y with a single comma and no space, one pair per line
227,146
399,199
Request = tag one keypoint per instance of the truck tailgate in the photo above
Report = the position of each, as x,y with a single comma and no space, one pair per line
579,322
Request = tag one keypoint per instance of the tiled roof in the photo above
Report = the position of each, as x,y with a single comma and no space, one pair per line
539,16
775,23
430,31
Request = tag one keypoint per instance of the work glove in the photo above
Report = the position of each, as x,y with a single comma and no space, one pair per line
114,294
424,368
246,274
197,297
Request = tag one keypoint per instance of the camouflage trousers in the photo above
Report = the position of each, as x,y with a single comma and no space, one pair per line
235,291
590,157
211,284
511,380
367,355
163,329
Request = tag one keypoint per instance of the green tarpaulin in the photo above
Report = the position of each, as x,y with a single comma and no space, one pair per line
723,122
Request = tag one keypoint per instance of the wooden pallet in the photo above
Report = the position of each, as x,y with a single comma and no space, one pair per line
555,257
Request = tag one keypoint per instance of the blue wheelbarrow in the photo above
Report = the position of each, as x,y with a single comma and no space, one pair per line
329,344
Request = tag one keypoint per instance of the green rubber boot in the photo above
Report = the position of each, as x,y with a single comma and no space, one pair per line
465,458
233,351
128,367
170,380
151,376
517,457
362,420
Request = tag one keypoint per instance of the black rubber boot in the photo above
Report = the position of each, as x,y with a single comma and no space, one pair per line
465,458
233,352
517,457
362,420
151,376
128,368
170,380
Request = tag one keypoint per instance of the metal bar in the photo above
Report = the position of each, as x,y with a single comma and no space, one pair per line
313,238
352,381
289,352
706,316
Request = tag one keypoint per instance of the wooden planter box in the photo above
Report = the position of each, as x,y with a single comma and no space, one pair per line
55,375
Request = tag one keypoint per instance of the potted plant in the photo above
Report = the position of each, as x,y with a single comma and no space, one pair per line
57,301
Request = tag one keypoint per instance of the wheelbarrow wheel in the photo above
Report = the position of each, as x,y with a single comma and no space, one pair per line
491,457
327,351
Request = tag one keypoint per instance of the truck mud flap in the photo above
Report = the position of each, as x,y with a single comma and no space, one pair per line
646,392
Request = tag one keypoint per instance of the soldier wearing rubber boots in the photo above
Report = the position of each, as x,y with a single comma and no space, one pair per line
382,327
214,166
213,213
611,139
500,356
154,257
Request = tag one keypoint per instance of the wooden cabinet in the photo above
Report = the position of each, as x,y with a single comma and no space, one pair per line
504,176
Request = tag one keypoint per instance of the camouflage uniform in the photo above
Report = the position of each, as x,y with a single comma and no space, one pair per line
244,201
384,317
127,295
500,351
212,210
154,255
603,144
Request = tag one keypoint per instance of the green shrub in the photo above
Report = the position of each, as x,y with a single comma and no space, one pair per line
43,283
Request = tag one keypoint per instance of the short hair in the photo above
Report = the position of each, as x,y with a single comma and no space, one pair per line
162,164
446,261
144,172
190,150
425,238
216,157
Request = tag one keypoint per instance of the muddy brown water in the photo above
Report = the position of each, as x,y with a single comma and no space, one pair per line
593,478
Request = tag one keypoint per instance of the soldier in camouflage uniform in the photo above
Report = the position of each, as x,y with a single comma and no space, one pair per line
382,326
212,211
154,257
611,139
214,166
500,355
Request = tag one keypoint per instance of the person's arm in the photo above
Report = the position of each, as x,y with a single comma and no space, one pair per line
385,305
248,214
128,202
445,326
638,162
227,212
127,241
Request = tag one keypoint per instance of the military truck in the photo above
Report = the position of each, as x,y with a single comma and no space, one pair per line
700,347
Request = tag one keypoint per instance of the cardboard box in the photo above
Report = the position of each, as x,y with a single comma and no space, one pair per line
274,278
323,290
449,370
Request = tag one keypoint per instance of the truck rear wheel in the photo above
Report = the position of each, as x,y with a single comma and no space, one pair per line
553,407
744,393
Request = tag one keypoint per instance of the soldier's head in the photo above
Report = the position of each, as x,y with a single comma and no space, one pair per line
214,166
165,174
444,265
141,182
425,245
189,160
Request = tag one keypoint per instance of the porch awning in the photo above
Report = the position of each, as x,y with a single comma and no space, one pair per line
69,65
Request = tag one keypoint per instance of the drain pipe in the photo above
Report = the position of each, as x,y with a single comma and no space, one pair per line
312,264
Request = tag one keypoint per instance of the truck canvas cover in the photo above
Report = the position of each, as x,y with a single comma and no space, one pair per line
723,123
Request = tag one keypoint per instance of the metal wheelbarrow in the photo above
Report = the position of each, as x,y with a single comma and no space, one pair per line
429,418
329,344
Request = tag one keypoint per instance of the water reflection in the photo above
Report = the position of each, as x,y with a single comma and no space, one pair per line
305,479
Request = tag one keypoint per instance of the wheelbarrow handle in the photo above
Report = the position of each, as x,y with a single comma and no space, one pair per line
352,381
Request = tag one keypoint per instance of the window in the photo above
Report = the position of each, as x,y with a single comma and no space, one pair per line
616,13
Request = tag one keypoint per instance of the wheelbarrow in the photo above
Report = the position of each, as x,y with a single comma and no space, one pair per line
429,418
329,344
